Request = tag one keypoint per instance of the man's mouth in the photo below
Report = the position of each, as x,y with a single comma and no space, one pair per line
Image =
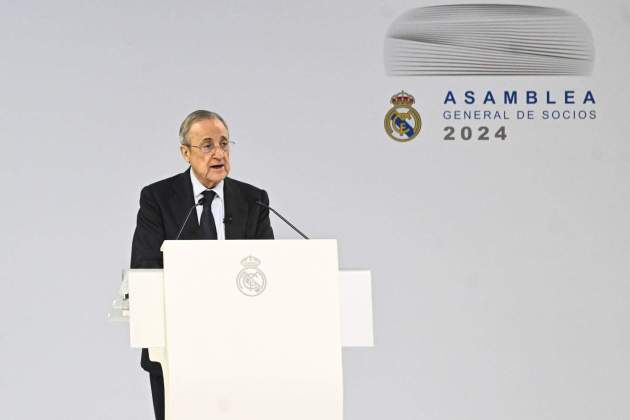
217,166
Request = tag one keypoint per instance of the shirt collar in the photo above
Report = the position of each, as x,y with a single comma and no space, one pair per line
199,188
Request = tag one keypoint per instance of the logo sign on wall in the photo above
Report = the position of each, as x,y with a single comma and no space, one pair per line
509,41
402,121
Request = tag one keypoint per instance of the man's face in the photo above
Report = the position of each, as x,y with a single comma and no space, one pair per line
214,166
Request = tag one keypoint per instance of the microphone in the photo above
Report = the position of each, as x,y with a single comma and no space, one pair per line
260,203
201,202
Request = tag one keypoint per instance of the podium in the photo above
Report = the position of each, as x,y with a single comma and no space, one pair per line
249,329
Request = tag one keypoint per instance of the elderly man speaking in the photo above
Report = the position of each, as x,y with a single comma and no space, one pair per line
228,210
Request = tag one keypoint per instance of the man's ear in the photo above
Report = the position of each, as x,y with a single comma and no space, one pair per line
185,151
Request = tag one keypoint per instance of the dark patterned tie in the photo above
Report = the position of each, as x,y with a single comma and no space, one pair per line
207,228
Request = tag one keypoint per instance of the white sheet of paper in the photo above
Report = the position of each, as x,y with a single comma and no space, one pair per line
355,295
146,326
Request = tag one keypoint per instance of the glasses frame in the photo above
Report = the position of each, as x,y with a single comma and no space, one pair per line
213,147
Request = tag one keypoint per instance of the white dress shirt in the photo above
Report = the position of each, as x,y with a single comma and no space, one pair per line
218,209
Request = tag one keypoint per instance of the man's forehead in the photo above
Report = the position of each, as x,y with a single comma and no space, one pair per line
208,138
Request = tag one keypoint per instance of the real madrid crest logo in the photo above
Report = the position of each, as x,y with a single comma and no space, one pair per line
402,122
251,281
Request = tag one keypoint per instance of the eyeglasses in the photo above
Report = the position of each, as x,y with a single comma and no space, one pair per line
208,148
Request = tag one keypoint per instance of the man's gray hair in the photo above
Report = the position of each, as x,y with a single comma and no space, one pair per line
192,118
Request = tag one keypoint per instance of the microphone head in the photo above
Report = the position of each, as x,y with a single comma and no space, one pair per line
202,201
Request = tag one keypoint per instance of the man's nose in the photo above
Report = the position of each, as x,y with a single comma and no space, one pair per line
218,153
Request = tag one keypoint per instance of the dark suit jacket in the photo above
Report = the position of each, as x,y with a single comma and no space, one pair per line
163,208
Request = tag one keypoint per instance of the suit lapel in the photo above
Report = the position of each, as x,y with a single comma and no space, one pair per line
235,211
181,201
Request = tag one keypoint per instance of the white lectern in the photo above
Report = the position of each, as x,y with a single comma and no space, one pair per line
250,330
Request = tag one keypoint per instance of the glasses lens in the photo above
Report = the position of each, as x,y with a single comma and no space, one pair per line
209,147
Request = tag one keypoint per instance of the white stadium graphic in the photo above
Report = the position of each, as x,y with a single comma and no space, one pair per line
488,39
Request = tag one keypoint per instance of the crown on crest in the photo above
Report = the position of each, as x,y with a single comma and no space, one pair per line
402,98
250,262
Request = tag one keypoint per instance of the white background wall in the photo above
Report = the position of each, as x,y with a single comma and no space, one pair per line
500,269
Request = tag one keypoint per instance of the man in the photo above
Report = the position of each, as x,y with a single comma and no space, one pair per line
229,209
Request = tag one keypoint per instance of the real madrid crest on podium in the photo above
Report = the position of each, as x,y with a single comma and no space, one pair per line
402,122
251,281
